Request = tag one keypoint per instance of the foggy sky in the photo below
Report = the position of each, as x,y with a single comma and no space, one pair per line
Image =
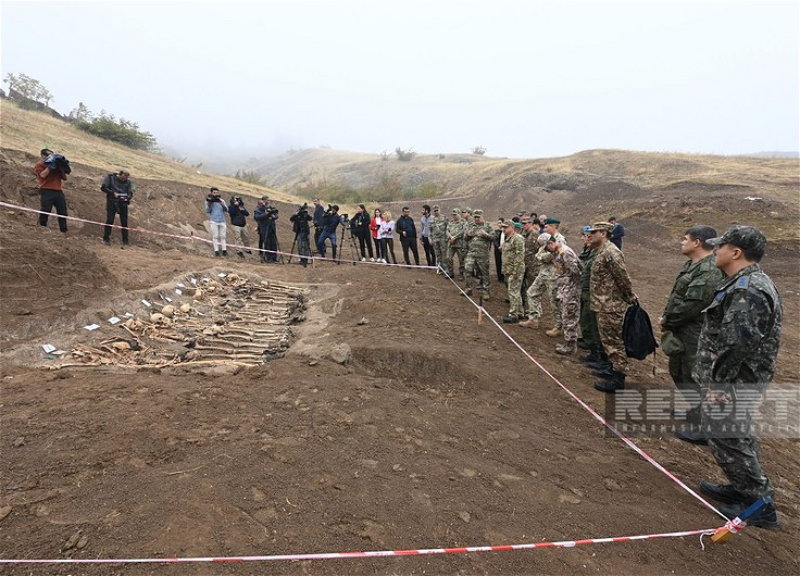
522,79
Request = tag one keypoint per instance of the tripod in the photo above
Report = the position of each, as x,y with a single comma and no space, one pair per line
353,248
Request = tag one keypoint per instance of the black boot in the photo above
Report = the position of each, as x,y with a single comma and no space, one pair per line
611,385
724,493
591,358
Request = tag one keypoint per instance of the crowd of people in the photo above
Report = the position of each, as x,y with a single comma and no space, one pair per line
720,326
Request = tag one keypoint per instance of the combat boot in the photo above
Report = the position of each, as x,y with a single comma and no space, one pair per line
530,323
591,357
691,436
582,344
605,371
725,493
611,385
767,517
510,319
554,332
567,348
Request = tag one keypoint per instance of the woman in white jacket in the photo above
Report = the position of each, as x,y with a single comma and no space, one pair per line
386,235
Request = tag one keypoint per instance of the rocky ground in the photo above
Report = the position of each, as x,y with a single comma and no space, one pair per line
396,420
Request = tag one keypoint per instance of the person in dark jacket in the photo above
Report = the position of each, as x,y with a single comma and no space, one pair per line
319,213
238,214
266,215
330,226
300,227
359,225
407,231
119,193
617,232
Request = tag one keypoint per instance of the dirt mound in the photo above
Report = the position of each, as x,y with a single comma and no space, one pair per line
394,421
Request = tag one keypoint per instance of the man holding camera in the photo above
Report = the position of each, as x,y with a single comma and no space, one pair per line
266,215
301,229
119,193
238,214
319,214
330,226
216,208
50,175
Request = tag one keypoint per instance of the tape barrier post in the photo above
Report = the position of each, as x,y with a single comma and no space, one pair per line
736,525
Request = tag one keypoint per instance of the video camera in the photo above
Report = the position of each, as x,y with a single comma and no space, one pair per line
213,198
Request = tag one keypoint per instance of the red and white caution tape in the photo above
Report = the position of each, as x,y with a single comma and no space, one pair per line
368,554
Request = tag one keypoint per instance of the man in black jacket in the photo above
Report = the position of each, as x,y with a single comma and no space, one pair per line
359,226
238,214
318,217
408,236
300,220
119,192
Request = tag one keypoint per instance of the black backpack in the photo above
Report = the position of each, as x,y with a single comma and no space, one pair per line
637,333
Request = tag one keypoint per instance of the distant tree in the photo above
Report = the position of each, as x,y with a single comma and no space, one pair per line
108,127
249,176
404,155
479,150
81,113
385,155
27,88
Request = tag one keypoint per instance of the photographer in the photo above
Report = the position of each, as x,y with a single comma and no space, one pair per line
266,216
330,225
319,214
301,229
359,226
216,208
50,175
238,214
119,192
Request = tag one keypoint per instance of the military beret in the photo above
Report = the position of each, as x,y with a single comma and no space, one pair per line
456,211
586,229
747,238
552,221
600,226
517,225
477,212
435,206
544,239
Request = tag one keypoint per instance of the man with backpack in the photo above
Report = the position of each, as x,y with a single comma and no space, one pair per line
610,293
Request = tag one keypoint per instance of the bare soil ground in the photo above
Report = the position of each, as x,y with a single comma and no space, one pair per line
437,432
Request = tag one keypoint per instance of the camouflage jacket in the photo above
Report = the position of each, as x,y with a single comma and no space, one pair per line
741,333
531,249
469,232
693,291
610,288
438,228
514,255
545,258
567,266
480,243
455,233
587,257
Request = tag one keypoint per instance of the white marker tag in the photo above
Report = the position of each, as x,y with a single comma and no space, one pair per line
178,291
91,327
146,303
113,320
48,348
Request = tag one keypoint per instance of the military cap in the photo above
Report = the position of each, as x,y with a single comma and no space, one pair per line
525,220
552,221
544,239
748,238
505,224
265,197
435,206
522,213
467,210
600,226
456,211
477,212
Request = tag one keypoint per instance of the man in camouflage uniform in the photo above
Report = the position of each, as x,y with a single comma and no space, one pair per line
455,244
531,264
736,355
610,294
438,235
480,237
588,319
682,320
545,282
568,281
513,269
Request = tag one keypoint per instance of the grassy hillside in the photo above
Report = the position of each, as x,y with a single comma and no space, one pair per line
31,131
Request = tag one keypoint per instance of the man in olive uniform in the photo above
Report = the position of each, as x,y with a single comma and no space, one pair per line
588,319
531,264
610,293
480,236
568,281
682,320
736,355
513,269
455,244
438,235
545,283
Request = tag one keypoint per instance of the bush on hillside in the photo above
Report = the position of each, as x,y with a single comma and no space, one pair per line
404,155
22,88
108,127
479,150
249,176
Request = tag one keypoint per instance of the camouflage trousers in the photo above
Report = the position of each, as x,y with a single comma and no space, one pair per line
544,283
609,326
454,250
680,368
735,448
588,323
440,251
569,295
515,296
477,263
